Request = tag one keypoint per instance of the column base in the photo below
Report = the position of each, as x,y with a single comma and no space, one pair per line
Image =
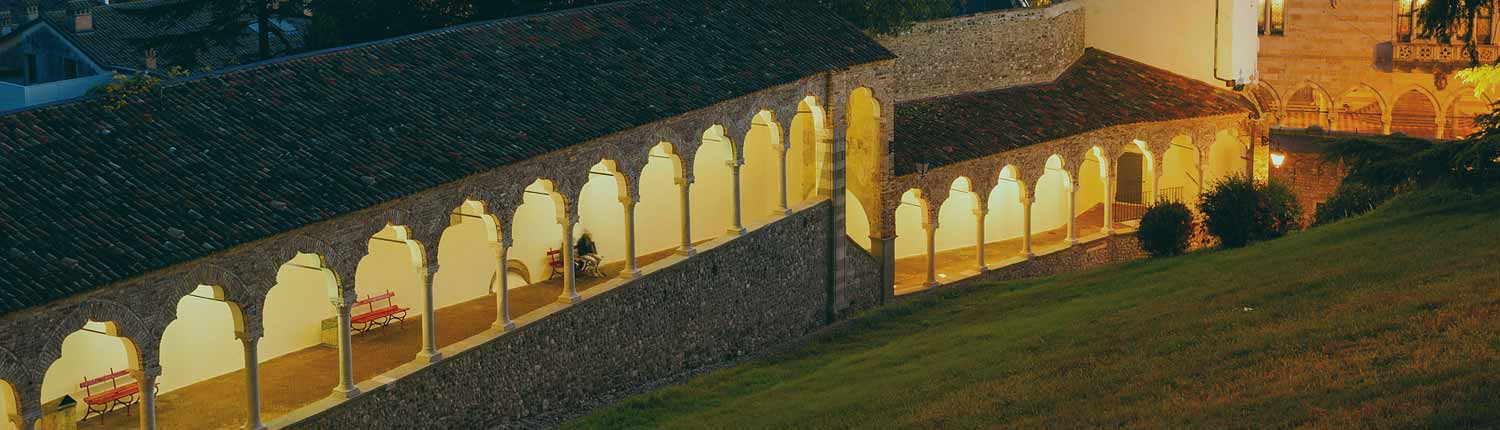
345,393
568,299
1072,241
983,269
503,326
736,230
931,284
255,426
781,212
630,274
426,357
1029,255
686,251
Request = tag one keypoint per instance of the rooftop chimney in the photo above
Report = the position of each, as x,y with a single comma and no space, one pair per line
83,16
7,25
151,59
33,10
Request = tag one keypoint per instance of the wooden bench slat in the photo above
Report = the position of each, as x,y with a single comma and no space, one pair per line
370,300
103,379
377,314
115,394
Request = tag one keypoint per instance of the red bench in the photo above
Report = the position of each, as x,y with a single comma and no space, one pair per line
554,259
107,400
378,317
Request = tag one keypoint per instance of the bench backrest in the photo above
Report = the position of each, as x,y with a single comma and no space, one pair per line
371,300
113,375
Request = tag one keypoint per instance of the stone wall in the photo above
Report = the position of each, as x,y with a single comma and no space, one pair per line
737,298
986,51
1312,180
1122,246
862,278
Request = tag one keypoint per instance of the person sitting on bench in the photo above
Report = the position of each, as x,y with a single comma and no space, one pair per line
587,259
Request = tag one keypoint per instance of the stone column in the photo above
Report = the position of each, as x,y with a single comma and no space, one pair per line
429,353
686,249
1026,229
570,278
502,289
979,212
632,270
28,421
147,381
1073,215
252,382
1109,199
931,227
346,388
783,209
1202,176
734,170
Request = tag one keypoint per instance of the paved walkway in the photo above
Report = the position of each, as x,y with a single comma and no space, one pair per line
957,264
303,377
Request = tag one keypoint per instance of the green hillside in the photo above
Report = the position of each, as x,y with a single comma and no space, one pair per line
1391,320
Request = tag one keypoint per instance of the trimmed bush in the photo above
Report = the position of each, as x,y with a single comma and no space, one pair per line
1166,229
1350,199
1240,212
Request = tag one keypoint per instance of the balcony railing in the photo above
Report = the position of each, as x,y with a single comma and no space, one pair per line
1440,53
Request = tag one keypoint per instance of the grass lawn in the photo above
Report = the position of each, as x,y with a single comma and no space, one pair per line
1391,320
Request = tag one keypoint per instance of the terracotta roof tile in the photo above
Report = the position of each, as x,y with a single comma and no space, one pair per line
1099,90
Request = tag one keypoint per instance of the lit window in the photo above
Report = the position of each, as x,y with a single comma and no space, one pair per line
1271,17
1482,27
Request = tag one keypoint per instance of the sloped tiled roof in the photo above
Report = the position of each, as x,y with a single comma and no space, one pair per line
94,195
1099,90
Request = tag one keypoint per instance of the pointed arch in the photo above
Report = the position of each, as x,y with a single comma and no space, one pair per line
93,349
1307,106
601,210
805,164
712,201
1093,190
760,177
956,216
199,345
1415,113
1006,207
864,146
295,308
1459,115
1267,99
1360,109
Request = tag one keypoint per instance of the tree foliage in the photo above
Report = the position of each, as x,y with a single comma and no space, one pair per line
888,16
196,26
1166,229
1239,211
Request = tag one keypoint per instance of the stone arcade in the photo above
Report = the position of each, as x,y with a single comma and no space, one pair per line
749,173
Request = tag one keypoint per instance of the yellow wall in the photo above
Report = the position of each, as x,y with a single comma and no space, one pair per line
712,190
200,344
856,220
911,237
1178,35
85,355
1050,210
658,215
602,216
1180,169
801,160
1004,218
1091,190
1226,157
388,267
7,406
295,309
956,220
535,231
760,178
466,262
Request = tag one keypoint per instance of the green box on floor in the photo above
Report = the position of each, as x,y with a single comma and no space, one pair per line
330,332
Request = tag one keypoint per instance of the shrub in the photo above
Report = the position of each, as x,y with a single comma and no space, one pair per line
1166,229
1240,212
1350,199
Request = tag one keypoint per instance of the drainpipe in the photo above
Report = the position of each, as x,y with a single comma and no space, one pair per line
1218,12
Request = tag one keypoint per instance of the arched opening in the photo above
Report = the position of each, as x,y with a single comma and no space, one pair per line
864,148
464,286
659,213
911,241
760,178
1227,158
537,242
601,215
713,186
1135,187
10,407
1360,110
1460,116
95,359
1049,210
1306,107
1093,179
200,359
1414,114
957,234
1004,224
299,351
395,265
858,221
1180,179
802,168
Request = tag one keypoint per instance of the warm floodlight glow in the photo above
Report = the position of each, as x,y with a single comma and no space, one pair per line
1277,159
